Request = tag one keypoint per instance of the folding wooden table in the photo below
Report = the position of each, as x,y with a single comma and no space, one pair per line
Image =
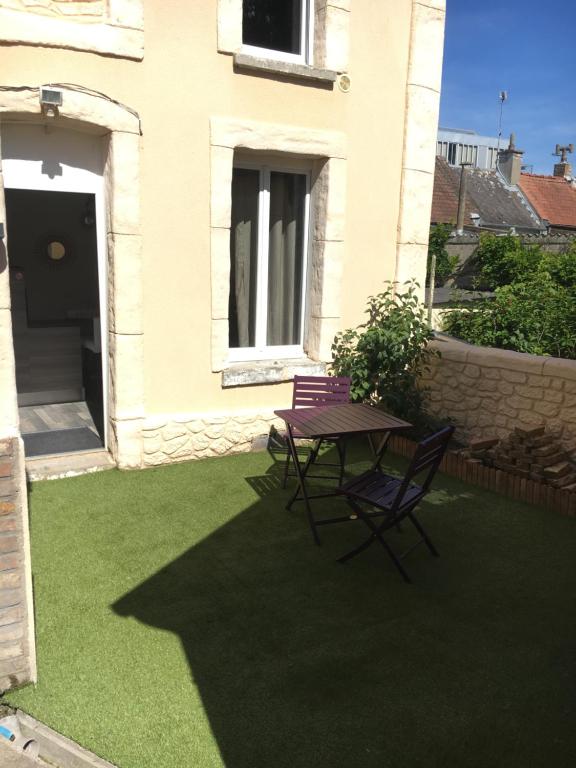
333,421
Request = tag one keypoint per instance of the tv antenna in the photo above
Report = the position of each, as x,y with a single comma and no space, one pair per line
503,97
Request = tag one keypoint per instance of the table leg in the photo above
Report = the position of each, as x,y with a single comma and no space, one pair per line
301,481
379,450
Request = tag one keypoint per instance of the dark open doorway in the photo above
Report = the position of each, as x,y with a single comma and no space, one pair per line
53,257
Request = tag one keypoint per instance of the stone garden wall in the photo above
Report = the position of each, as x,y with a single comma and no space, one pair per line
189,436
488,392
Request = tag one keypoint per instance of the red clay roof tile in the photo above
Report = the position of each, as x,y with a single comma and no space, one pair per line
552,197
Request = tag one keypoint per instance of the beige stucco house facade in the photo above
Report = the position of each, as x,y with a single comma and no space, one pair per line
247,176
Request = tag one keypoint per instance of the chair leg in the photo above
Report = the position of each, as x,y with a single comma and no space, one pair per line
341,447
377,532
424,535
286,467
393,557
353,552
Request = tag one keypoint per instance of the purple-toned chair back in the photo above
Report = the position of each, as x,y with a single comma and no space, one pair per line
310,391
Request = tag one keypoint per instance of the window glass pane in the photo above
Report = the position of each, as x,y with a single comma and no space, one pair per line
243,258
286,258
272,24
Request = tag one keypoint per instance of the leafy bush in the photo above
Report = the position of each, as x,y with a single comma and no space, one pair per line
503,259
385,355
561,266
445,264
536,315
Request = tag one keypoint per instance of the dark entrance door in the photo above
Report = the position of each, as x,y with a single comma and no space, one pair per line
52,253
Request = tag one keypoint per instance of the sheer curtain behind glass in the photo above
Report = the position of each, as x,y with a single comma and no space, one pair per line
243,258
285,258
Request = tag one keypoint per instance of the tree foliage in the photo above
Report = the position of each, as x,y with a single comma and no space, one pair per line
536,315
503,259
534,307
445,264
385,355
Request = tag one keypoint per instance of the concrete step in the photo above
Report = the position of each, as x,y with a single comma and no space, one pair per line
68,464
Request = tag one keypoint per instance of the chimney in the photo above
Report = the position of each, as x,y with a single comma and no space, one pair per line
462,198
510,162
563,168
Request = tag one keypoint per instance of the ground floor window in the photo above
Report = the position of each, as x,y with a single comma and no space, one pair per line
268,262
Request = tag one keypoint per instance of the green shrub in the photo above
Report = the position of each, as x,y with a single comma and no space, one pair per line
536,315
503,259
445,264
561,266
385,355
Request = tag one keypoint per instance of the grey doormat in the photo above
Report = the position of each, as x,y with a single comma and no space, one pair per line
60,441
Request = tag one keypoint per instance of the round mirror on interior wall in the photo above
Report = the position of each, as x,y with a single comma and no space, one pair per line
56,250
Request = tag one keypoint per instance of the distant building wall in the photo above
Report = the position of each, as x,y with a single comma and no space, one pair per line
467,147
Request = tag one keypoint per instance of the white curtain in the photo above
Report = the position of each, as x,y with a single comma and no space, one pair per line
285,258
243,258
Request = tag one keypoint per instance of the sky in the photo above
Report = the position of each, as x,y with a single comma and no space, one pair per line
525,47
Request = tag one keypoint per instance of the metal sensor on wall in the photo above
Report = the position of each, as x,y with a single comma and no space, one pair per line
50,100
344,83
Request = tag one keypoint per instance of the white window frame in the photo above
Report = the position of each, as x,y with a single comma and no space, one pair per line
261,351
306,40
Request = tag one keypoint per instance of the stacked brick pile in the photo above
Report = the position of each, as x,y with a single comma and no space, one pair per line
533,453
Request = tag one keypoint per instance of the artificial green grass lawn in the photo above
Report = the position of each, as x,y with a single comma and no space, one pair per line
184,618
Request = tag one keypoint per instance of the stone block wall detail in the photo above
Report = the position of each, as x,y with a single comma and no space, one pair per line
489,392
422,108
79,8
113,27
17,653
180,437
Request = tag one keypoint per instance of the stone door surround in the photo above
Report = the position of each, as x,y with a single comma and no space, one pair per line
120,131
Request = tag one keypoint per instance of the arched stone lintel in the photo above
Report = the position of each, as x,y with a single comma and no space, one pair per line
82,107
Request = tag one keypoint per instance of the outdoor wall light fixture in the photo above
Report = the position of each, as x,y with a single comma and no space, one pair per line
50,100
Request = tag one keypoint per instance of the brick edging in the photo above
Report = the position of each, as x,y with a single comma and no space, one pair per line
17,664
512,486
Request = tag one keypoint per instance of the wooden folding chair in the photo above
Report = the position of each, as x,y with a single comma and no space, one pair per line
383,501
312,391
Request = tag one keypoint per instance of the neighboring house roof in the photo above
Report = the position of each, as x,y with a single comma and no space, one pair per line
499,205
552,197
445,196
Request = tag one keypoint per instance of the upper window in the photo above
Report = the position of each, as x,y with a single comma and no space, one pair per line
280,29
268,262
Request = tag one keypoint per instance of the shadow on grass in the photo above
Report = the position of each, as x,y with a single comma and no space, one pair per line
304,662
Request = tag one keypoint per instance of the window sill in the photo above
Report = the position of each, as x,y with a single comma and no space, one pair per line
287,68
270,371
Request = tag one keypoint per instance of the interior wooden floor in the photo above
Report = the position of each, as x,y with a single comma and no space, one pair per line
45,418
